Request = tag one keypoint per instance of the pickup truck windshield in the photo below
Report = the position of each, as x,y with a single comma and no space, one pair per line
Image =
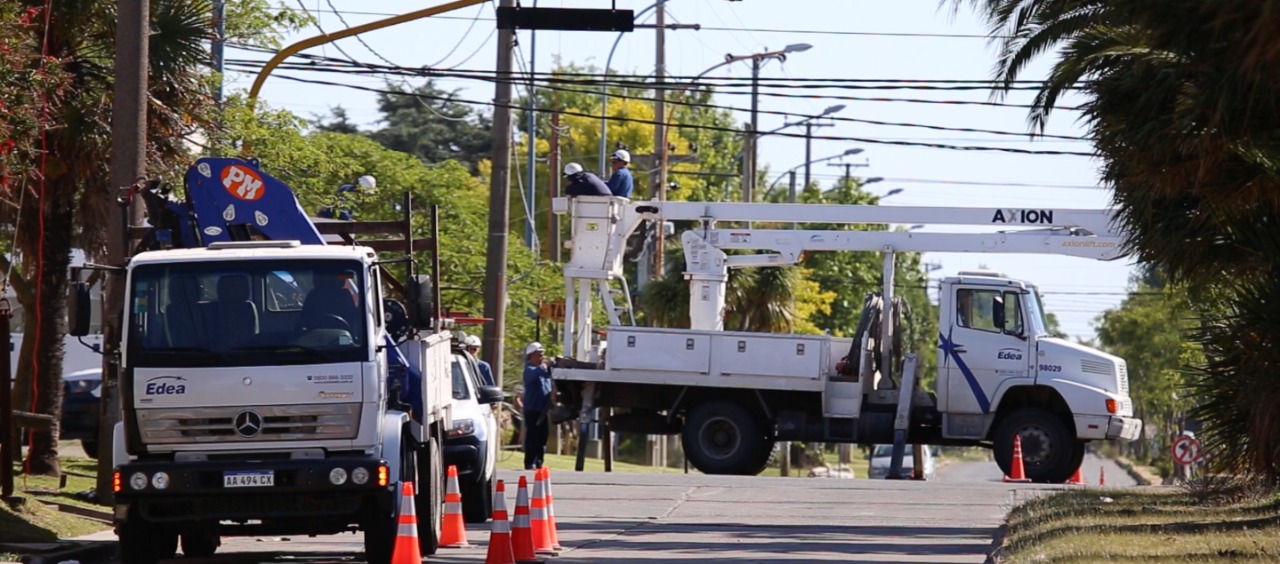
247,313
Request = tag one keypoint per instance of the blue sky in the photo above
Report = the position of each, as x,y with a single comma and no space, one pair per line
1076,289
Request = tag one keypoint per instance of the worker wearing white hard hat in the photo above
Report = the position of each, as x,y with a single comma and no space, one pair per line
583,183
472,345
621,183
537,401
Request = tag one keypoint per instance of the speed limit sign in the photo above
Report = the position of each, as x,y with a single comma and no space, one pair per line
1186,450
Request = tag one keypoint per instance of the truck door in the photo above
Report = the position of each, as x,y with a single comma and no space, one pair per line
983,345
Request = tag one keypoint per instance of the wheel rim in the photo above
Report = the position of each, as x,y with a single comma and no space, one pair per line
1037,446
719,438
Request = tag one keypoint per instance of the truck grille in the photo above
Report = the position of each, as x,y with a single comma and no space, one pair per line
1123,376
272,423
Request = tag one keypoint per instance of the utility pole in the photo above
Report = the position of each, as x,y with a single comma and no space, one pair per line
128,151
808,150
495,287
848,170
749,183
553,163
659,184
532,192
219,42
791,196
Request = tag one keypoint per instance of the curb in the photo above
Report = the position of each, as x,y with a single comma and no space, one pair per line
1139,474
84,552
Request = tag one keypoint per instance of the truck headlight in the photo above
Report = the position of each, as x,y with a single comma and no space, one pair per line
462,428
138,481
160,480
337,476
359,476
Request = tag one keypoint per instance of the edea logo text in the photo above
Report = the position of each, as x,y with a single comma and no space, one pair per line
166,386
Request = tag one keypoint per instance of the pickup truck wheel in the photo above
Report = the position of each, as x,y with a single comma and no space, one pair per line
142,542
722,437
429,497
477,501
1047,445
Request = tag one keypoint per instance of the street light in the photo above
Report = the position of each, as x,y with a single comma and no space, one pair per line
757,62
891,192
775,182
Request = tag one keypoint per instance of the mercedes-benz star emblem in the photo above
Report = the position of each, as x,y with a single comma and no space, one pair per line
247,424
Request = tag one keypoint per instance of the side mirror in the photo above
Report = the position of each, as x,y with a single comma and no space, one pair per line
997,312
397,319
487,395
420,296
79,305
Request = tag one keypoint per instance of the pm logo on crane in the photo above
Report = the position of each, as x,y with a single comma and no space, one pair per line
1033,217
242,182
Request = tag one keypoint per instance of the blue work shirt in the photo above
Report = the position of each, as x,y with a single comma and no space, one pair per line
486,373
622,183
537,388
586,184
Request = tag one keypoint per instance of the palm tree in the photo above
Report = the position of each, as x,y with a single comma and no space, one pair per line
1181,109
71,205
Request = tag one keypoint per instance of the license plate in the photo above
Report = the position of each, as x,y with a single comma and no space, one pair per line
254,479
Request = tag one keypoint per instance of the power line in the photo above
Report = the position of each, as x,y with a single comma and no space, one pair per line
520,60
702,127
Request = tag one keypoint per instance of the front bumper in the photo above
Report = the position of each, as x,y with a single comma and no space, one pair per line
1099,427
1127,428
301,489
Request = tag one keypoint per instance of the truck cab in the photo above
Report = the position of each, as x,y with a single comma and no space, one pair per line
997,363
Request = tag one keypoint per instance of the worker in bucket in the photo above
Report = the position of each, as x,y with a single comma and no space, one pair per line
621,183
537,402
583,183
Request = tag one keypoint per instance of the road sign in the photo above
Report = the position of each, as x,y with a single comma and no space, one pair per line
552,310
1186,450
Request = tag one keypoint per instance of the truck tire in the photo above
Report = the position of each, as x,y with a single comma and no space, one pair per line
1048,445
765,457
477,501
1077,456
429,497
723,437
201,543
142,542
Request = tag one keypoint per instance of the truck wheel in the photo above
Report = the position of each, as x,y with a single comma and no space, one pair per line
90,447
1077,456
198,544
143,542
768,448
477,501
1047,445
429,497
722,437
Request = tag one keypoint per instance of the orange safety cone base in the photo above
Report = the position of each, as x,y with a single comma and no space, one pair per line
521,534
453,532
1076,479
551,512
406,549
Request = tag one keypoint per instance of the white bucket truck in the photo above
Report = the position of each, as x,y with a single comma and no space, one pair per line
732,395
270,385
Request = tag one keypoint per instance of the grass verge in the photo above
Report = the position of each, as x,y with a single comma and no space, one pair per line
26,519
1167,525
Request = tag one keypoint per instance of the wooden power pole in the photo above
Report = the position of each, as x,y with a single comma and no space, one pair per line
128,164
495,284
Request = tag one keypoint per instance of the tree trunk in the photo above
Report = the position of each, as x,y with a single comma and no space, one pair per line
59,210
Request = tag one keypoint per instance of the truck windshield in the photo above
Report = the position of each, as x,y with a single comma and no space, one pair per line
1037,325
247,313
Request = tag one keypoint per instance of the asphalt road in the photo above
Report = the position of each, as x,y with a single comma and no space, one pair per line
1093,469
676,519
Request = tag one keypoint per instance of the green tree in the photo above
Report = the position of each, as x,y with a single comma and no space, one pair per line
1179,107
424,121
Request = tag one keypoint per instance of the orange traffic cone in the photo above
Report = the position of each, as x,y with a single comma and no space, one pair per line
1076,479
538,510
1017,474
551,510
453,533
1102,476
406,550
521,534
500,532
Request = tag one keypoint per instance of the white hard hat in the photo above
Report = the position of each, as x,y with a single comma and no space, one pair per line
533,348
622,155
367,182
572,169
472,341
